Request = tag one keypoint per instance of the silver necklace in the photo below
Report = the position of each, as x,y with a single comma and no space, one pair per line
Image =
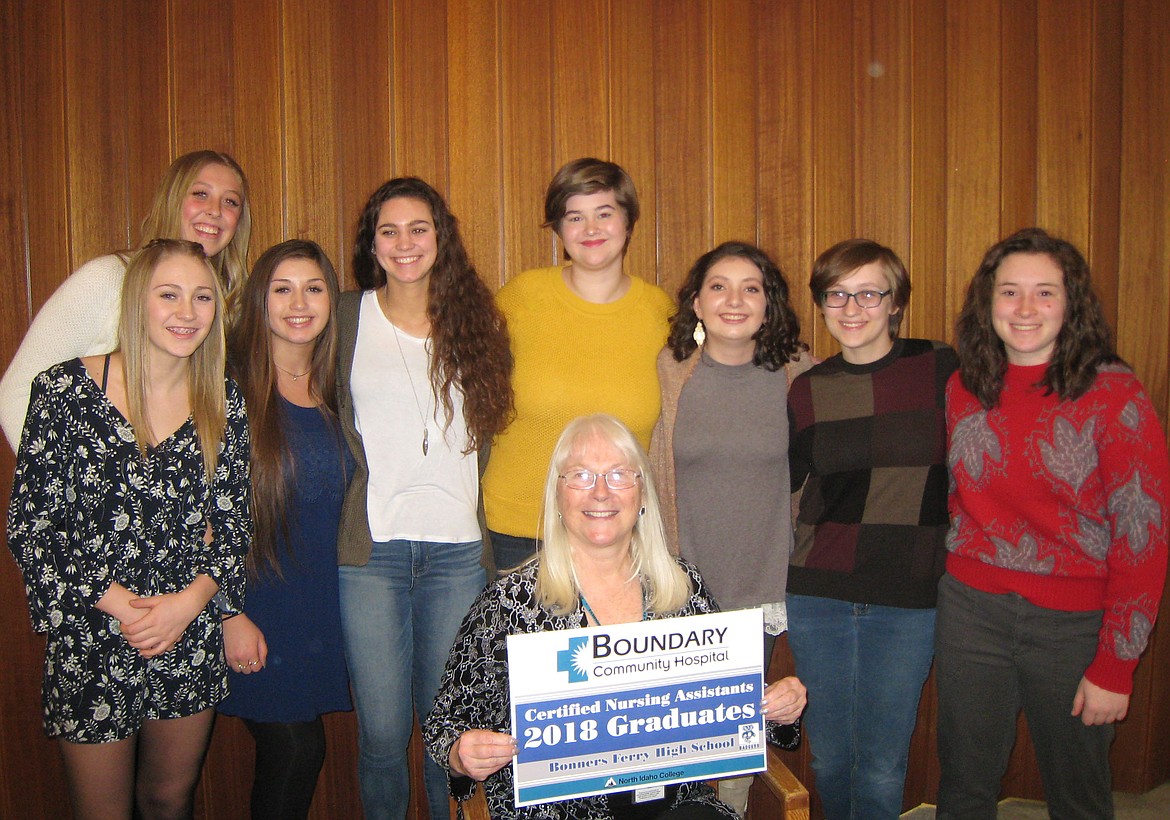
426,438
294,376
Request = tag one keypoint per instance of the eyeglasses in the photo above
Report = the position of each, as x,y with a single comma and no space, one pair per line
865,299
614,479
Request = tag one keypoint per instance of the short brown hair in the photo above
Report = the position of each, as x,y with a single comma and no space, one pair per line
841,260
588,175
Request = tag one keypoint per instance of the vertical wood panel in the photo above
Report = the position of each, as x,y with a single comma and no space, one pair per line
258,141
419,86
27,772
633,125
1064,126
42,143
925,255
733,93
363,104
1018,112
526,113
680,111
148,148
1105,154
785,145
310,122
95,128
473,112
834,146
882,72
202,113
973,129
580,47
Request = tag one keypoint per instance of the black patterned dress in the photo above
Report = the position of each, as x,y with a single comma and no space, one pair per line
87,510
474,693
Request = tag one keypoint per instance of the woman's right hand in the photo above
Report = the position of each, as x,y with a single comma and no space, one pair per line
244,646
479,753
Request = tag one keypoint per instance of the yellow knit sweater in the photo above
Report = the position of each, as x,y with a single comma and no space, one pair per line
573,358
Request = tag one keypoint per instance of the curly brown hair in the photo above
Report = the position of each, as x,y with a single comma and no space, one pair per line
468,332
1085,340
777,340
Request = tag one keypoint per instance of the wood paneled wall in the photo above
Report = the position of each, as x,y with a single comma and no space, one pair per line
935,126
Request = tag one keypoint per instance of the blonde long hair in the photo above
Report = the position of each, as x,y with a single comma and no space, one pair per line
166,209
665,582
205,368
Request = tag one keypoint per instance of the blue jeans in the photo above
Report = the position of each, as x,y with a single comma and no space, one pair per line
864,666
511,551
996,655
400,613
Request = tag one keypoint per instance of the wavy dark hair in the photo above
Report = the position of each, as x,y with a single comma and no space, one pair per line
777,340
250,357
1085,340
469,338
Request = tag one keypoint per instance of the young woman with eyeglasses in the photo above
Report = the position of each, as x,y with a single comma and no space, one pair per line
868,449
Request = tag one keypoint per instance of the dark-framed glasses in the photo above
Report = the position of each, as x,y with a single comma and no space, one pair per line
865,299
614,479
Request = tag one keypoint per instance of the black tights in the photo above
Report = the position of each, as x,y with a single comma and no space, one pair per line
288,760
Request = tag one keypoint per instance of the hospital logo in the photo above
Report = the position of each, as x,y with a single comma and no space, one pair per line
573,660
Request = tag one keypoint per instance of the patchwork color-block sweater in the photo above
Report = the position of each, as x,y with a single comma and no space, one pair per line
868,446
1065,504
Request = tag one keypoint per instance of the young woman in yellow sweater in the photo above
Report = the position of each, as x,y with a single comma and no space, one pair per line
584,337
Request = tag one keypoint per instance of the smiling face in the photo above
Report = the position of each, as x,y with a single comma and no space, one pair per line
1027,307
212,208
405,242
180,306
297,302
594,231
863,333
599,517
732,305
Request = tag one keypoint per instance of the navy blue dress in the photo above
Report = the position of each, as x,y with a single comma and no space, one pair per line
300,615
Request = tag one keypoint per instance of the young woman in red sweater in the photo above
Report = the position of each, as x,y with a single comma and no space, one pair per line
1058,533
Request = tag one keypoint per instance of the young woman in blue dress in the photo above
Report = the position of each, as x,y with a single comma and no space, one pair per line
286,647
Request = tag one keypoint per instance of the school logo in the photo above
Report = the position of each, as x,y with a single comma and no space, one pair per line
573,660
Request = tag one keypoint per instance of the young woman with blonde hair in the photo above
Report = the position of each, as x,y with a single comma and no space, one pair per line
129,520
203,197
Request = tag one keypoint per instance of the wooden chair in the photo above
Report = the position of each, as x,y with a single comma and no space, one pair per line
776,795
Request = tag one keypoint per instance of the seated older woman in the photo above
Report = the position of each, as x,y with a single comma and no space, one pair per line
604,561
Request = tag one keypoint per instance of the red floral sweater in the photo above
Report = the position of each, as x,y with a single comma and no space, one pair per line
1064,503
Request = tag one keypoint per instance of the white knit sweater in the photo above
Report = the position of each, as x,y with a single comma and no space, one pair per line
79,319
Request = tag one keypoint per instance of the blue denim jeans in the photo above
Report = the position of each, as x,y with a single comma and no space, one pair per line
511,551
864,666
996,655
400,613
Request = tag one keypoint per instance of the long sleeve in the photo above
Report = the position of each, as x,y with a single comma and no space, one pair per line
62,574
1135,472
229,510
79,319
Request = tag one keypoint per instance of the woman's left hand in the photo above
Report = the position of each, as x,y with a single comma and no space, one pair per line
167,616
784,700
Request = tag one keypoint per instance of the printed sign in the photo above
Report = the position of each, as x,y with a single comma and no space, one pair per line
616,708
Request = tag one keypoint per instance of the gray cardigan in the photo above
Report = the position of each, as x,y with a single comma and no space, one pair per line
354,542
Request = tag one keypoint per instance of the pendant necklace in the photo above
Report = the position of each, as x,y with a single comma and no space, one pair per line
426,441
294,376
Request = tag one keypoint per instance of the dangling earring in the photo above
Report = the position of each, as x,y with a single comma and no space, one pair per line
700,334
643,510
